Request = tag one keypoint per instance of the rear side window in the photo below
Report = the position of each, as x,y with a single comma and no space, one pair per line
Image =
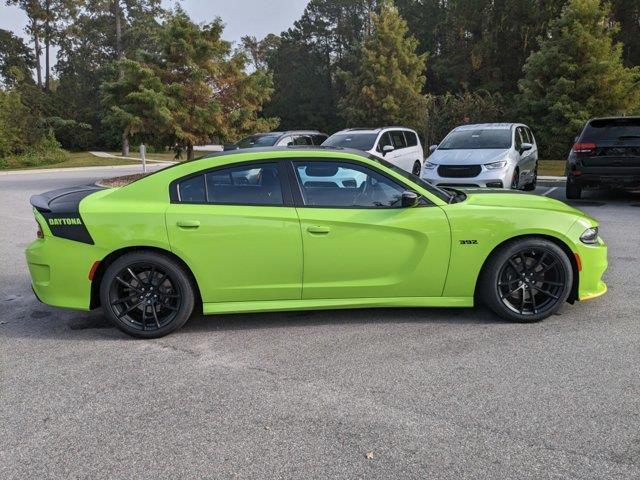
318,139
302,140
397,137
412,139
611,129
192,190
530,135
254,184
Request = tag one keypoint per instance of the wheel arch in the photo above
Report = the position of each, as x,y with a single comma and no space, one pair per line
111,257
573,295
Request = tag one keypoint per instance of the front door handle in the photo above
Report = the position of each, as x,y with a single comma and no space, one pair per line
318,229
188,223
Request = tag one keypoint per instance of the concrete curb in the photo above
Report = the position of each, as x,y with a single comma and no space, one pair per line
551,179
79,169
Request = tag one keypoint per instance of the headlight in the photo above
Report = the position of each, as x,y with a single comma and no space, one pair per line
495,165
429,165
590,236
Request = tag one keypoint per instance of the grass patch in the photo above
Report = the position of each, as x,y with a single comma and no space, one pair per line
74,159
551,168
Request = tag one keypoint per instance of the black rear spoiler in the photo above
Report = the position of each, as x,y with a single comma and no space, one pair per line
61,210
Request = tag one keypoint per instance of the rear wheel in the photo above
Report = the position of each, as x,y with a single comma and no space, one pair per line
573,190
526,280
146,294
417,168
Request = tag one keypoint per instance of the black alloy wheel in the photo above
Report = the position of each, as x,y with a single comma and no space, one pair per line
527,280
147,294
534,182
531,281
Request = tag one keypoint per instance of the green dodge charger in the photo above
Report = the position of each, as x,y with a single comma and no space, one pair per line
305,228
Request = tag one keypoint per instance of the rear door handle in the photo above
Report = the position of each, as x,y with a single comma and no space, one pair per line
318,229
188,223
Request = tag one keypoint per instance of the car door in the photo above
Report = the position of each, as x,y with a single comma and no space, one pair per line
358,242
238,231
401,155
526,162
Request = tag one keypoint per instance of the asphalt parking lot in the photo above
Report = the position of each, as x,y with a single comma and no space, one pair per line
426,393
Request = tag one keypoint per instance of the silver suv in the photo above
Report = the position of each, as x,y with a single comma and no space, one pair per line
495,155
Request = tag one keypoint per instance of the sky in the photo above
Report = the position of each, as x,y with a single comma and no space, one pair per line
241,17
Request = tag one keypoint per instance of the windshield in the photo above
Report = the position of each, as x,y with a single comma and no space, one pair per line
438,192
612,129
258,141
495,138
359,141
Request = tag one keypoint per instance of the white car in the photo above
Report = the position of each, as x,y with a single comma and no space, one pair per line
397,145
494,155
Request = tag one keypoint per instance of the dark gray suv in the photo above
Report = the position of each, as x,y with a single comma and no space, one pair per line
605,155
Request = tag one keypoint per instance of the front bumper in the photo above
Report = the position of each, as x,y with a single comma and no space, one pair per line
592,264
486,178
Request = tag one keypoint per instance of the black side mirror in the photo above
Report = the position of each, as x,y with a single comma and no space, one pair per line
410,199
525,147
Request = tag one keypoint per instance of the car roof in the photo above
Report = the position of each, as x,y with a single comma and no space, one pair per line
304,148
489,126
374,130
631,117
288,132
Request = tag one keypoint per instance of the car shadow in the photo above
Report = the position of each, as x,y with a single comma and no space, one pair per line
598,198
42,321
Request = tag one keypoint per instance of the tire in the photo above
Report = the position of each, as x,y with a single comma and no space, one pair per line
529,187
515,179
147,294
530,291
417,169
573,190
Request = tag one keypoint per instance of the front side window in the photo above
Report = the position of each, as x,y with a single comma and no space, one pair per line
385,140
519,140
468,139
247,184
346,185
285,142
302,140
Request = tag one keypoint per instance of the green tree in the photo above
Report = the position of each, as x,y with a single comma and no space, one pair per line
386,88
138,105
576,74
16,60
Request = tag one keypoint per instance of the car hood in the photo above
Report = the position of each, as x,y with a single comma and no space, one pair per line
516,199
466,157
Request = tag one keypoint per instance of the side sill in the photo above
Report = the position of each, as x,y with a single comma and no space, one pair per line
335,303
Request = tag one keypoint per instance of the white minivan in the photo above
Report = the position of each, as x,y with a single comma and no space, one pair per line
398,145
494,155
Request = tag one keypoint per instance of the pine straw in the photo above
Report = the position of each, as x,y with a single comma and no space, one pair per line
120,181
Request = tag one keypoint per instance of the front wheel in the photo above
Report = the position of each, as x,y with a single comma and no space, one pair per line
417,168
515,180
147,294
526,280
529,187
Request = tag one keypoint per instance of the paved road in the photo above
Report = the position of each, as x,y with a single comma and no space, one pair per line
432,393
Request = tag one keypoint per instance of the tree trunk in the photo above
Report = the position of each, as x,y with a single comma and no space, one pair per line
125,145
189,151
120,56
47,42
36,43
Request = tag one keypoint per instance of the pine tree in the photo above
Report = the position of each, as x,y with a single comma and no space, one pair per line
386,87
576,74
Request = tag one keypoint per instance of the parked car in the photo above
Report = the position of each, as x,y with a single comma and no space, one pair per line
398,145
495,155
280,139
605,154
245,233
